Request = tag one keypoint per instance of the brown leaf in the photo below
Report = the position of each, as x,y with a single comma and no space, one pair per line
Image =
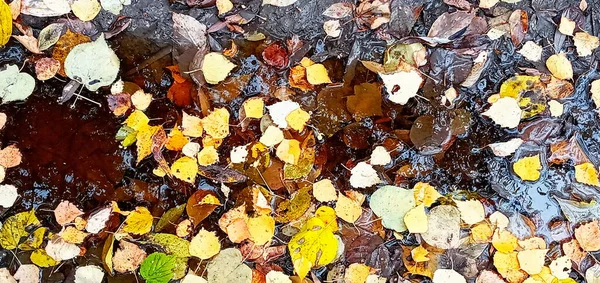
519,24
365,102
46,68
448,24
200,206
574,251
276,55
64,45
119,103
30,42
563,151
461,4
181,93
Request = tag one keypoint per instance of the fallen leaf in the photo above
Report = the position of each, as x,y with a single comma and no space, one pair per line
503,149
391,204
332,28
339,10
185,169
13,229
425,193
528,168
254,107
471,211
357,273
561,267
114,6
519,25
216,124
141,100
86,10
276,55
40,258
272,136
566,26
316,74
158,268
216,67
573,250
60,250
348,209
363,176
585,43
224,6
5,23
27,273
482,233
416,219
531,51
505,112
128,257
205,244
228,266
14,85
89,274
46,68
8,195
92,64
507,265
29,42
138,222
200,205
208,156
313,246
324,191
402,85
443,227
97,220
419,254
289,151
586,173
532,261
588,236
560,66
238,154
592,274
261,229
280,110
504,241
365,102
279,3
448,275
556,108
73,236
297,119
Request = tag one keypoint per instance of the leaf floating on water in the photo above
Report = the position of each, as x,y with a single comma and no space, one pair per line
89,274
279,3
503,149
205,245
560,66
586,173
391,204
315,245
505,112
216,67
528,168
128,257
13,229
158,268
14,85
363,176
448,275
585,43
93,64
8,195
443,227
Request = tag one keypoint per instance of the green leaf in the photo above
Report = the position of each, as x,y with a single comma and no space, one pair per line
14,229
158,268
169,217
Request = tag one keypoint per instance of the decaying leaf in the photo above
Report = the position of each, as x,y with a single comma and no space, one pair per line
228,266
363,176
92,64
205,245
391,204
505,112
128,257
315,245
444,227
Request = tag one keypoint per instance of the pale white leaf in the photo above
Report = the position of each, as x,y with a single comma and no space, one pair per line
89,274
506,148
238,154
50,35
531,51
447,276
188,32
280,110
408,82
339,10
505,112
332,28
45,8
363,176
27,273
380,156
93,64
60,250
5,276
279,3
15,85
97,221
8,195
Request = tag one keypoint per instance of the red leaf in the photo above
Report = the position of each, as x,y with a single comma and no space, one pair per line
276,55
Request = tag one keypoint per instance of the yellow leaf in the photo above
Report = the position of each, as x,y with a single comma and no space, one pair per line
416,219
139,221
504,241
327,214
313,246
271,137
324,191
86,10
72,235
208,156
262,229
560,66
216,67
306,62
566,26
40,258
481,233
136,120
357,273
348,209
176,140
297,119
35,240
254,107
216,124
185,169
316,74
586,173
289,151
205,244
514,87
528,168
507,265
419,254
210,141
532,261
471,211
5,23
13,229
191,125
144,141
425,194
224,6
545,276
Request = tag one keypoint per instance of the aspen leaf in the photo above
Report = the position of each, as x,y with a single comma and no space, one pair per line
329,217
13,229
481,233
272,136
72,235
419,254
86,10
507,265
348,209
409,83
92,64
574,251
566,26
128,257
97,220
556,108
191,125
532,261
448,275
238,154
205,244
216,67
313,246
254,107
40,258
316,74
60,249
561,267
332,28
356,273
46,68
107,253
380,156
560,66
297,119
416,219
141,100
588,236
10,156
8,195
471,211
27,273
5,23
426,194
138,222
585,43
176,141
279,3
224,6
324,191
261,229
289,151
531,51
185,169
503,149
280,110
277,277
6,277
528,168
504,241
443,227
228,266
14,85
200,205
586,173
592,275
216,124
208,156
363,176
339,10
391,204
505,112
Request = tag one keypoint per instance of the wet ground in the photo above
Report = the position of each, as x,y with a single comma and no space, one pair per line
70,152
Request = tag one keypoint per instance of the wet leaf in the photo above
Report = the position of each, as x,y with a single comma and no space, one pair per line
279,3
416,220
505,112
46,68
40,258
448,24
528,168
107,254
92,64
216,124
185,169
86,10
588,236
5,23
425,193
169,217
332,28
28,273
503,149
348,209
560,66
448,275
60,249
402,85
531,51
89,274
471,211
365,102
138,222
315,245
585,43
8,195
519,25
128,257
391,204
363,176
205,245
97,220
216,67
324,191
13,229
200,205
158,268
276,55
532,261
171,244
504,241
14,85
586,173
290,210
339,10
443,227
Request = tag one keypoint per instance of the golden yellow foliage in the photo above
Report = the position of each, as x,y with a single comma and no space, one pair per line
208,156
586,173
185,169
419,254
348,209
139,221
254,107
416,219
425,194
176,140
297,119
262,229
5,23
289,151
528,168
216,124
313,246
504,241
205,244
